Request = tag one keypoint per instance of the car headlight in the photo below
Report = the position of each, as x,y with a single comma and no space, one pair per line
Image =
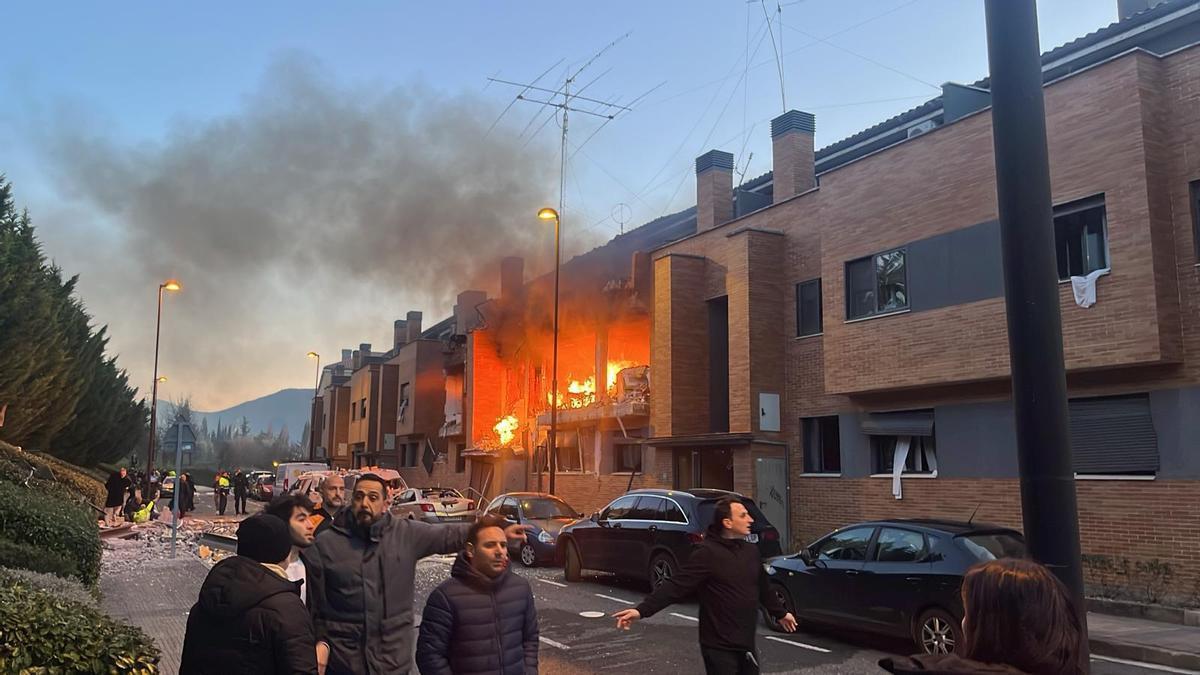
545,537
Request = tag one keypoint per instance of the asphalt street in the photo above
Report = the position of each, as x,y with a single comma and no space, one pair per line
666,643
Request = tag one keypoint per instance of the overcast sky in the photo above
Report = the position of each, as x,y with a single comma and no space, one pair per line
312,171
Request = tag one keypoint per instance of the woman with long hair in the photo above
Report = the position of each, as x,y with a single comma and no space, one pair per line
1017,618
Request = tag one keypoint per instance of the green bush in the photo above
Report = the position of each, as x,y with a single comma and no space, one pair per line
41,632
52,474
28,516
29,557
59,587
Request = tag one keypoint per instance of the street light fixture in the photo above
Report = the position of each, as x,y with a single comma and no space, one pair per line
168,285
312,436
547,213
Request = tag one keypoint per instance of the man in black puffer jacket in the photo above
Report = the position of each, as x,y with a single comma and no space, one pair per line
249,618
482,619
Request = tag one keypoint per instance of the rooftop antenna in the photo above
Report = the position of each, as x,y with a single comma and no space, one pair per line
777,47
972,518
622,213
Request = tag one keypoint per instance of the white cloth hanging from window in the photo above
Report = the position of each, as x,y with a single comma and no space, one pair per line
899,457
1085,288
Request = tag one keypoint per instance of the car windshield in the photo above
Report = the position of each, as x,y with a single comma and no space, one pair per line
990,546
440,493
546,508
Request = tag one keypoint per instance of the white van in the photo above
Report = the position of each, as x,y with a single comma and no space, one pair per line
288,473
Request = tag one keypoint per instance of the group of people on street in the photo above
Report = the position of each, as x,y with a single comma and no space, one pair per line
329,591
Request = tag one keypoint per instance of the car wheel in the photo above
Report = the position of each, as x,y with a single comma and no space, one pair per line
573,567
784,598
528,555
937,632
662,569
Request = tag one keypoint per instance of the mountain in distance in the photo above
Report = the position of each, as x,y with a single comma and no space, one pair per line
286,407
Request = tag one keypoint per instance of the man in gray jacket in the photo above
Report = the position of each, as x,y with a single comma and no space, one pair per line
360,582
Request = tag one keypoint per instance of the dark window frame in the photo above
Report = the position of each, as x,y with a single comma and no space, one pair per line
1194,197
1073,208
876,290
816,461
800,314
619,464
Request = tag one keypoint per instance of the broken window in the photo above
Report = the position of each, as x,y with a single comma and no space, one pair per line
627,458
915,454
876,284
1080,239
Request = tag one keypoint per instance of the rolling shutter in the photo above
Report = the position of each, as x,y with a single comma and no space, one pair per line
916,423
1113,436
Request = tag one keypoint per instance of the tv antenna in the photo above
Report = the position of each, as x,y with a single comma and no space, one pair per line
622,213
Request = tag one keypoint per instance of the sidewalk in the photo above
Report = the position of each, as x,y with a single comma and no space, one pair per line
1165,644
156,597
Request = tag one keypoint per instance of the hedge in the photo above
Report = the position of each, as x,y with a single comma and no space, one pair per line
41,632
67,589
28,516
29,557
51,471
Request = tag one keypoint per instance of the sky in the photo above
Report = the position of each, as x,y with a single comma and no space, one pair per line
312,171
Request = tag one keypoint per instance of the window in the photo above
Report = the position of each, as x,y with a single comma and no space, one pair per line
994,546
619,509
876,284
672,512
920,453
568,454
362,409
506,508
1194,187
899,546
403,400
822,445
648,508
1080,241
409,459
627,458
808,308
353,410
1113,436
848,545
460,460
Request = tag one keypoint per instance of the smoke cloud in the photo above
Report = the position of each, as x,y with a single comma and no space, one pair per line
308,218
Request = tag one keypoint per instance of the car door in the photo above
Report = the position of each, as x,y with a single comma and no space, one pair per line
634,539
830,586
896,580
597,543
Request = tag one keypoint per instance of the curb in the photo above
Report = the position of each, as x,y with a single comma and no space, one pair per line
1145,654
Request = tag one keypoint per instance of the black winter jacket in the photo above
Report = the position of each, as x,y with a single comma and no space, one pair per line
248,620
728,575
475,625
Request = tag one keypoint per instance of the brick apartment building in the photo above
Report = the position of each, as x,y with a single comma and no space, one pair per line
841,354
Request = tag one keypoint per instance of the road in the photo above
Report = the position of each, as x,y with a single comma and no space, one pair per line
205,508
666,643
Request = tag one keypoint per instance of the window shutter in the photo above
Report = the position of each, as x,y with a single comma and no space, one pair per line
1113,436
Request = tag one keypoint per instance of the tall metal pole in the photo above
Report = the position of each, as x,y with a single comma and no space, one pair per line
562,174
154,389
1031,290
178,485
312,427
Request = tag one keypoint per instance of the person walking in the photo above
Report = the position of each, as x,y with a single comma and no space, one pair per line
185,492
1018,618
333,499
241,488
296,511
360,581
116,486
727,573
482,619
249,617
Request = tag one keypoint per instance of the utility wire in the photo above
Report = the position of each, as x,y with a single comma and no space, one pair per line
864,58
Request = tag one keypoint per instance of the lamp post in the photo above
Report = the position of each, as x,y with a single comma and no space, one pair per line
548,213
168,285
312,426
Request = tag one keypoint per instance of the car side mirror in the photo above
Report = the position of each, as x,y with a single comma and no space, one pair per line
596,517
806,556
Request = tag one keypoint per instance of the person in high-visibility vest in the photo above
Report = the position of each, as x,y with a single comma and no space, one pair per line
223,485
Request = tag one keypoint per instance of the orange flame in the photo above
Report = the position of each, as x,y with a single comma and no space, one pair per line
615,367
506,429
582,393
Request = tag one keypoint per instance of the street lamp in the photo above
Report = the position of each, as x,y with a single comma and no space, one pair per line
548,213
312,427
168,285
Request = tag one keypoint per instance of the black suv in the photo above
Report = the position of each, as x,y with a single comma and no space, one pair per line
648,534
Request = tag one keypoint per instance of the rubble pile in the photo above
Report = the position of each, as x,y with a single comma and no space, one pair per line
149,542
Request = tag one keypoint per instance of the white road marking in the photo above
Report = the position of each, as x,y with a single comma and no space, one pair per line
553,643
1143,664
609,597
797,644
684,616
552,583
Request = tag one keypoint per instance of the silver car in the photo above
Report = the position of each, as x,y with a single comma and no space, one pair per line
433,505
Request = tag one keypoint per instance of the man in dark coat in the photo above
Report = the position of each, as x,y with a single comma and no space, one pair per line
185,491
249,618
728,574
116,486
482,620
360,582
241,488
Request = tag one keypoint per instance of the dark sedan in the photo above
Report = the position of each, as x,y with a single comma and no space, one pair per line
544,514
648,534
895,577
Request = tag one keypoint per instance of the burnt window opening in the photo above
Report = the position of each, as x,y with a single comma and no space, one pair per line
877,284
403,405
808,308
822,444
1080,238
627,458
920,454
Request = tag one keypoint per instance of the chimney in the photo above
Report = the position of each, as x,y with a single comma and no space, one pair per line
466,314
347,354
399,333
512,278
356,360
792,150
1127,8
413,323
714,189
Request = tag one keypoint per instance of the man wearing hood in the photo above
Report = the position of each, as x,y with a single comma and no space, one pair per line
249,618
482,619
360,582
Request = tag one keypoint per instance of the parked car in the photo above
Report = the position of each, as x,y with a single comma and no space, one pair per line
648,534
895,577
544,514
433,505
167,488
308,482
287,473
262,487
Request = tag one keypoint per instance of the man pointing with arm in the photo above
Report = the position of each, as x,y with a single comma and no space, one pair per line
360,582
